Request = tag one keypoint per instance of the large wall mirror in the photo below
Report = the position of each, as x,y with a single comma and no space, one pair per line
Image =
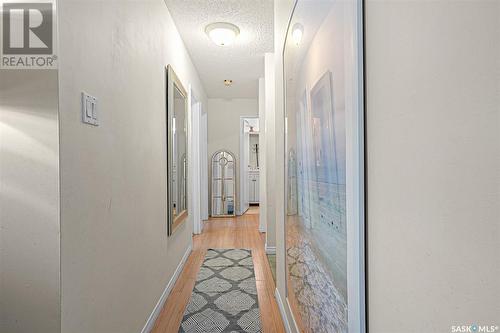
323,165
177,163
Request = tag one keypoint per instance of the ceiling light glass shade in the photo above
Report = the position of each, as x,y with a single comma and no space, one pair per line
222,33
297,32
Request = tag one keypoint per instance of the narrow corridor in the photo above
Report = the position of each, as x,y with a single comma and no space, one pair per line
249,166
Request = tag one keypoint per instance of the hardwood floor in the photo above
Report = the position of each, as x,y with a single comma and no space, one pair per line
238,232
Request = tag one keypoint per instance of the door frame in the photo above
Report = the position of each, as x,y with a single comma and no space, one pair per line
195,161
204,164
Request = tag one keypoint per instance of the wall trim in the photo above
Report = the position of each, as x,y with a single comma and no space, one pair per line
270,249
281,307
159,306
294,323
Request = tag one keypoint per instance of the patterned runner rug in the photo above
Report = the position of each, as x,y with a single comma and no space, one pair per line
224,298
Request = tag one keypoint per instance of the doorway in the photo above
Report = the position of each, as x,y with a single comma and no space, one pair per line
250,162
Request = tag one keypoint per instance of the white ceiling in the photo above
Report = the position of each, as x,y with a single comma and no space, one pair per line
243,61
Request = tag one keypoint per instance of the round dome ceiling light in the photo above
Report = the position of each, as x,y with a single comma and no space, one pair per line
222,33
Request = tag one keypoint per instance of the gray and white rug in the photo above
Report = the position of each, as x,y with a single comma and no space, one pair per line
224,298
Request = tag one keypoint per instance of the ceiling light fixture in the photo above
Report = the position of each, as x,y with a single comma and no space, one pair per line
227,83
222,33
297,32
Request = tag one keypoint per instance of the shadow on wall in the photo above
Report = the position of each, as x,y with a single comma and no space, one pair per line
29,197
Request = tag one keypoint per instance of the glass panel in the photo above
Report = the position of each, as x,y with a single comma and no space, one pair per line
229,172
177,157
217,188
228,188
223,184
319,73
179,163
229,206
216,207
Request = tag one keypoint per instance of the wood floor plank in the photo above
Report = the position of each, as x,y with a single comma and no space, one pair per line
237,232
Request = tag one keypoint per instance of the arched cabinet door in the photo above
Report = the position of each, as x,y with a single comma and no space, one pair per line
223,183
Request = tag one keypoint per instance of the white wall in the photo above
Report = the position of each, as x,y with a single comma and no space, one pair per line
116,257
224,128
433,143
29,202
204,165
271,151
262,152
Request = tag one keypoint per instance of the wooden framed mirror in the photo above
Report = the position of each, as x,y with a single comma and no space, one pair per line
177,151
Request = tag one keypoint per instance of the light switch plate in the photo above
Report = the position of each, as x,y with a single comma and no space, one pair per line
89,109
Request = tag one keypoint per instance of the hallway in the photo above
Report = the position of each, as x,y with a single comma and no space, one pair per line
238,232
236,166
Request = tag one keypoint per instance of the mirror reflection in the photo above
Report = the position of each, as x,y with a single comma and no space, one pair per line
319,74
179,164
177,152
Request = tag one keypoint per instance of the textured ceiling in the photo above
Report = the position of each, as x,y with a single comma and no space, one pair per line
243,61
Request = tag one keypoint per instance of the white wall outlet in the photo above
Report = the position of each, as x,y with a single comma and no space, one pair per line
89,109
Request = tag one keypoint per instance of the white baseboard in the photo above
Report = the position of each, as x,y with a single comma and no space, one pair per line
294,323
159,306
270,249
286,322
284,317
